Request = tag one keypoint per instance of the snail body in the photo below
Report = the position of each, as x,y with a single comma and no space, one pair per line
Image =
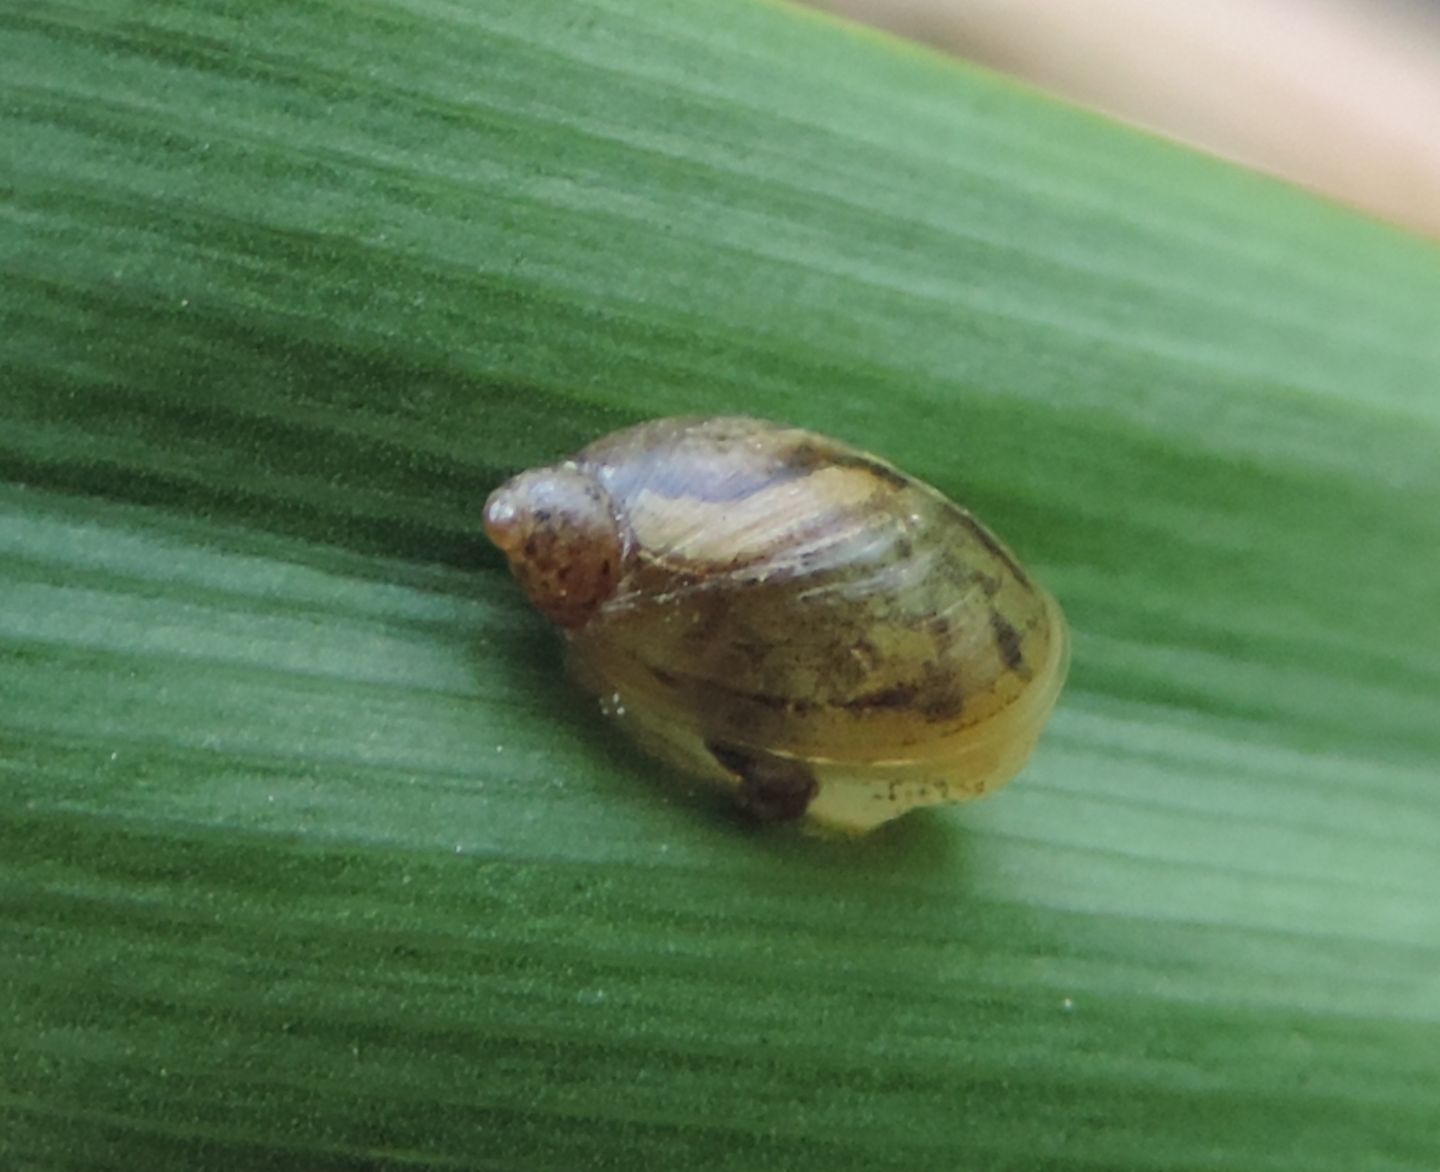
785,615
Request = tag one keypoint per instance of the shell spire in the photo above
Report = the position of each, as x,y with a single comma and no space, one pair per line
556,528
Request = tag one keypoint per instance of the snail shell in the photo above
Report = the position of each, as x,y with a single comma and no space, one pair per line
797,620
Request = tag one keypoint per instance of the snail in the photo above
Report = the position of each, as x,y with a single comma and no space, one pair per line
797,620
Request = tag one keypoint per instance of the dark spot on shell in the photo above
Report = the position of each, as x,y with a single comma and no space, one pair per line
772,789
765,700
897,697
667,679
934,696
944,706
1007,639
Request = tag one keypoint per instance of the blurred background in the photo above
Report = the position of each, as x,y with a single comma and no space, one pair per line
1340,96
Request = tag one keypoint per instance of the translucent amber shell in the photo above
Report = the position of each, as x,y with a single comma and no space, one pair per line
794,619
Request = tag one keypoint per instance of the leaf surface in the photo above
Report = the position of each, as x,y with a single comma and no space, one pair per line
310,856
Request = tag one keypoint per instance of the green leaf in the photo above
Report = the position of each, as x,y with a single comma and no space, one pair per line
309,855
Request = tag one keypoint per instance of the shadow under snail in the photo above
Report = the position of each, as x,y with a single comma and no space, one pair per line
797,620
